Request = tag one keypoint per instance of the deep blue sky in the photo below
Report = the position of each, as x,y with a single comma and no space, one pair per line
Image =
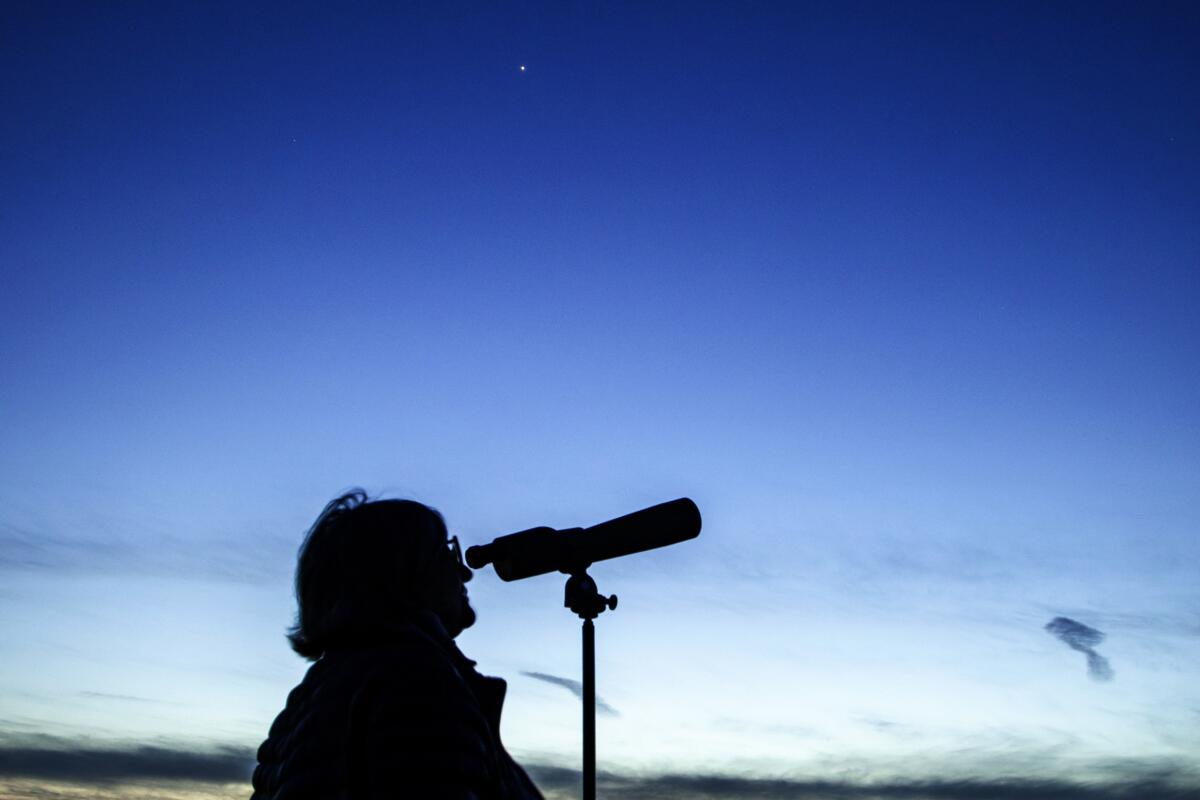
904,297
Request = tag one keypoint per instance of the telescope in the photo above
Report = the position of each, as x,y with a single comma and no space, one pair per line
540,550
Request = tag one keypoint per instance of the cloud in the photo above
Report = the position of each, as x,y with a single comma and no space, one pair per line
138,549
1185,622
128,698
575,688
745,726
1080,637
559,781
1075,634
23,549
51,758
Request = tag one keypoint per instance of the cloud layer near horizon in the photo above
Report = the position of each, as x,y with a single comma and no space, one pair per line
37,765
56,759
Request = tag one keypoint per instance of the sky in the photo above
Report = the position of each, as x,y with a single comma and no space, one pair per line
902,295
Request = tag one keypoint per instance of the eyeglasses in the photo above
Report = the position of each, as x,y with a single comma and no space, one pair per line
453,547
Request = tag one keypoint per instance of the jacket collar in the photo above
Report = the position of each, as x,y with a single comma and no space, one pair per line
488,691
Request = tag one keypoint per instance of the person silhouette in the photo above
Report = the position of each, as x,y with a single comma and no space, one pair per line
390,707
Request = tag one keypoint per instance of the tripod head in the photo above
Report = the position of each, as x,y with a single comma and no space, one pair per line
582,597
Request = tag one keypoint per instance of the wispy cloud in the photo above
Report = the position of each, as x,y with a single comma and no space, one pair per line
575,688
22,548
746,726
139,550
127,698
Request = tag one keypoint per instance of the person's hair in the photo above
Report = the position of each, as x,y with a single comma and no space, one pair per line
363,564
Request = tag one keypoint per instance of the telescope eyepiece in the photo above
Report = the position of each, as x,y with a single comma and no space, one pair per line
479,556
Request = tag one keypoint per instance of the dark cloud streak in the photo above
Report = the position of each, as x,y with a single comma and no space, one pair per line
116,764
575,688
1080,637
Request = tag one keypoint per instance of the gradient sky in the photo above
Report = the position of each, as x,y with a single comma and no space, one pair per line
904,297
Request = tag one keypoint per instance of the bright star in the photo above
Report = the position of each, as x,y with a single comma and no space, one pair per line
522,68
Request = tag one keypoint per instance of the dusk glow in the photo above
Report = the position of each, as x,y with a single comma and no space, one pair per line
904,296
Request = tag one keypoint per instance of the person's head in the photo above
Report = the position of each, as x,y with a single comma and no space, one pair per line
365,564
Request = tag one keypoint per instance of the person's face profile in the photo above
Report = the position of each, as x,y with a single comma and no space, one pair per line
455,550
451,601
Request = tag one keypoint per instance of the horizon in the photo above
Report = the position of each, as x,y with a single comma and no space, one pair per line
903,298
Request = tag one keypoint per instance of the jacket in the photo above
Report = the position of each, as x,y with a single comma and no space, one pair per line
396,715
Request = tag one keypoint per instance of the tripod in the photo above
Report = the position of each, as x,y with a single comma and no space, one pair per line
540,550
582,597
